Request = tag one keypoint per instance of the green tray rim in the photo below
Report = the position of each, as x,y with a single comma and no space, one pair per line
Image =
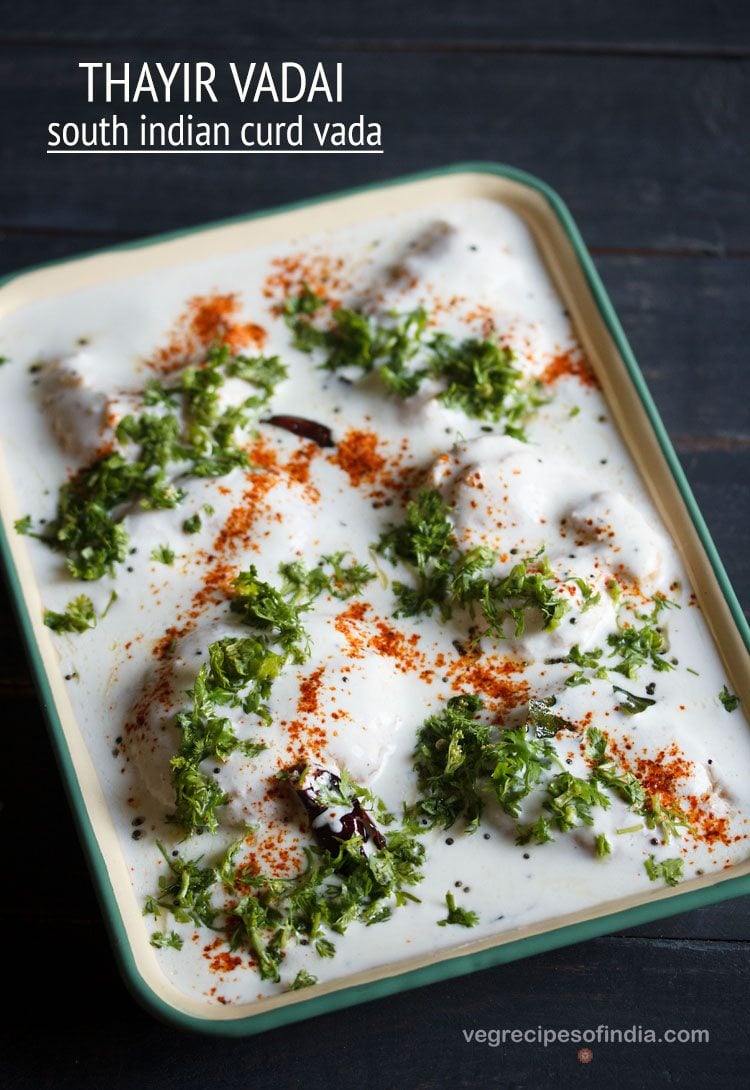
462,964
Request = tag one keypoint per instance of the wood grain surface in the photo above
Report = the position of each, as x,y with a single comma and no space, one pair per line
650,152
637,113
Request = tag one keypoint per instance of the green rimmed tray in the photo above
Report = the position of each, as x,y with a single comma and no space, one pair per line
602,338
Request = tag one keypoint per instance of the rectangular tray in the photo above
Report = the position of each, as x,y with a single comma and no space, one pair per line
633,410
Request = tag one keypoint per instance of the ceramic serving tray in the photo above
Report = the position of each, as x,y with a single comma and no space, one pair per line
603,342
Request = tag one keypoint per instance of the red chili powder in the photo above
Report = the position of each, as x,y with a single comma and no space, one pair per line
319,273
207,319
357,454
572,364
224,963
309,690
348,622
661,776
298,468
393,644
491,676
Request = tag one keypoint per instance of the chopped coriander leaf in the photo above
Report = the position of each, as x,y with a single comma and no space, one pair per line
622,783
465,572
353,340
588,660
250,749
639,645
306,303
577,678
614,590
252,919
380,916
163,554
197,794
540,832
239,671
449,759
481,379
157,394
400,343
266,609
192,524
670,870
303,584
660,602
4,360
457,762
528,586
446,577
670,819
186,890
571,799
264,372
631,703
190,436
461,916
519,762
587,593
597,745
23,525
426,533
297,311
110,603
83,527
343,581
728,699
159,440
78,616
159,939
602,846
483,382
607,772
480,376
401,382
424,540
346,581
333,891
303,979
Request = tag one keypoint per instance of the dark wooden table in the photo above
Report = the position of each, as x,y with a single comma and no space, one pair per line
637,113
